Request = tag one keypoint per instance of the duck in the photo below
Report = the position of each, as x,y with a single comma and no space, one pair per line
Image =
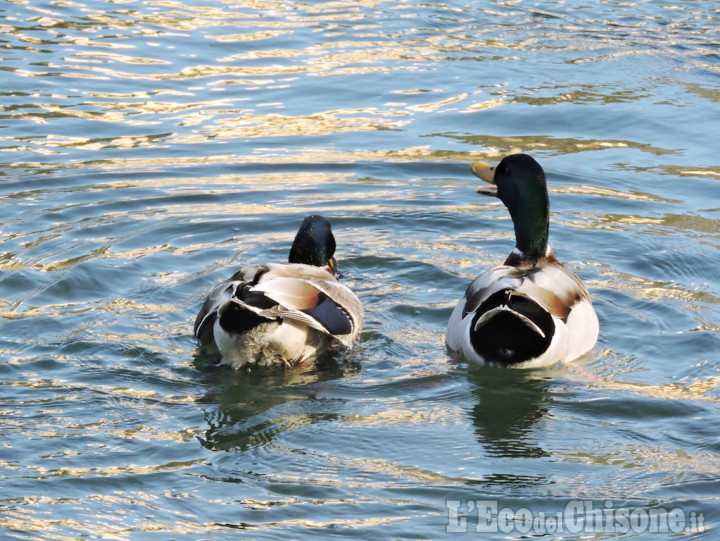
282,313
531,311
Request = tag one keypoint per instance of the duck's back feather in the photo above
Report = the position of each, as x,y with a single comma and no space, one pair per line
552,286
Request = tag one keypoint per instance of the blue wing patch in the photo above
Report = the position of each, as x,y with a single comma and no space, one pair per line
331,316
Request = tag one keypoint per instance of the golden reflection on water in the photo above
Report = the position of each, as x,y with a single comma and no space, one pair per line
649,459
351,523
675,222
695,391
499,146
677,170
314,155
322,123
121,58
401,415
114,471
607,192
152,433
654,290
262,68
389,469
254,36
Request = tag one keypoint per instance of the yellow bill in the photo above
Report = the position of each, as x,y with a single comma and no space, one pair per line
485,171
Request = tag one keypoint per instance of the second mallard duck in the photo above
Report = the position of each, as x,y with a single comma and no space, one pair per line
283,313
530,310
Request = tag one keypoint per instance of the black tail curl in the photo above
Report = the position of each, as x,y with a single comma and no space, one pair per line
236,319
505,338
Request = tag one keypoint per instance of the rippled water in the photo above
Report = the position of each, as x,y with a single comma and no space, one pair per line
149,149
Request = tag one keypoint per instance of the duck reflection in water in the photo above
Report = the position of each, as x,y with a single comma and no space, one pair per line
507,416
245,410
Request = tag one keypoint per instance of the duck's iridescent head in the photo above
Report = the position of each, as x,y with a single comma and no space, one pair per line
314,243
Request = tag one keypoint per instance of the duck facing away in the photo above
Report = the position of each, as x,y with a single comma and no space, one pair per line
283,313
531,309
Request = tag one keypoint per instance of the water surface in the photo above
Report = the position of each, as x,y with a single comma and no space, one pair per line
150,149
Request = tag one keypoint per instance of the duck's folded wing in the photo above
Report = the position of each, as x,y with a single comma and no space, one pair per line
489,283
345,299
553,287
324,305
293,293
205,319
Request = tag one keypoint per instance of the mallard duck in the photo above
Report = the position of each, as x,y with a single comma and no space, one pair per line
531,309
283,313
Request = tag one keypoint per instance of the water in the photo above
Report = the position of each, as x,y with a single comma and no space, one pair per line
149,149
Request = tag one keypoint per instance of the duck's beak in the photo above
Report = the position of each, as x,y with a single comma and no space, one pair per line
332,263
485,171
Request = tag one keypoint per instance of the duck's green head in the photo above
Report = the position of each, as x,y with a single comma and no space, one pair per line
519,182
314,243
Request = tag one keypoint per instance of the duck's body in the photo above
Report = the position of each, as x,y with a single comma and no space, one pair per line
530,310
282,313
537,315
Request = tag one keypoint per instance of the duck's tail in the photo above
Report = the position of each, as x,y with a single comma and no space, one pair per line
511,328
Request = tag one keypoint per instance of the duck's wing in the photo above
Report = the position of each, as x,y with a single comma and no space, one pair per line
313,297
553,287
342,297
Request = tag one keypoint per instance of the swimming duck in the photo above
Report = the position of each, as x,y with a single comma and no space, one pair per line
531,309
283,313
